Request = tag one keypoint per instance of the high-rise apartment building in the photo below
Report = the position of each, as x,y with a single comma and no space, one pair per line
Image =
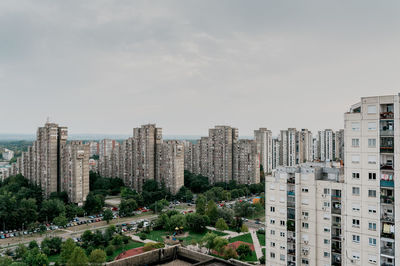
94,148
75,170
172,165
56,165
263,137
304,215
371,232
248,162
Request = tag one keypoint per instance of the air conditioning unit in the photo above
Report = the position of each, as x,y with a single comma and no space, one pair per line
305,217
306,242
323,195
324,208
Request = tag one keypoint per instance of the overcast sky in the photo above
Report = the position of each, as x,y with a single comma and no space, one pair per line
108,66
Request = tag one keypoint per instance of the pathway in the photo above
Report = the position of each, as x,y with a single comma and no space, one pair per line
256,243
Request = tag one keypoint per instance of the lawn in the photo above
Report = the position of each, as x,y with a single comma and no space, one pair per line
261,238
54,258
157,235
244,238
130,245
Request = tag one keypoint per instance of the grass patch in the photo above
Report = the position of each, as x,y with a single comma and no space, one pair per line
54,258
157,235
244,238
131,244
261,238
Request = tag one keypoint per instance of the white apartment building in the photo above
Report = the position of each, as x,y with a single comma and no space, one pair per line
371,135
304,215
263,137
7,154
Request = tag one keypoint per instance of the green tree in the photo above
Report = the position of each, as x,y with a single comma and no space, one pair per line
221,225
212,211
127,207
208,240
108,215
110,250
201,205
60,220
196,222
33,244
5,261
78,258
66,250
219,244
51,208
97,257
229,253
94,203
117,240
162,222
178,220
20,251
243,251
36,258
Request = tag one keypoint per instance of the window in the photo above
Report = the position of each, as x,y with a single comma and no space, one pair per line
282,247
272,198
372,259
371,109
356,207
355,143
272,232
356,255
372,176
304,189
356,175
372,193
282,234
304,261
326,204
305,214
356,223
371,143
356,238
327,191
355,158
372,226
326,241
272,244
356,191
372,159
371,126
272,209
283,223
282,257
326,254
371,209
272,221
326,229
355,126
272,254
372,241
304,225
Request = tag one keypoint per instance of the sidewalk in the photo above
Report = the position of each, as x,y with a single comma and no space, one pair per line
229,233
256,243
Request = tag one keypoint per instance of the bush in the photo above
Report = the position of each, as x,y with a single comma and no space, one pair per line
243,251
151,246
142,236
230,253
221,225
109,250
244,228
262,260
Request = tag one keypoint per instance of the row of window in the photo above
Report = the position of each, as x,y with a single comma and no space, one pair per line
355,143
355,126
371,240
356,192
371,175
371,225
355,158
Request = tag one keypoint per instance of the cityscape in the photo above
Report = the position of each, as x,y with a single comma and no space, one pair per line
206,133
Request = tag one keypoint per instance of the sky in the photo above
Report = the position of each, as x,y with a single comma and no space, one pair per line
105,66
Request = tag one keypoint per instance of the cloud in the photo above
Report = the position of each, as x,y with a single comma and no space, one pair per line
107,66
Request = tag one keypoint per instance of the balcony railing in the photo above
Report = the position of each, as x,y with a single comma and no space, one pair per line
387,115
387,218
336,210
387,167
387,183
291,180
386,132
387,251
387,235
387,199
387,149
290,193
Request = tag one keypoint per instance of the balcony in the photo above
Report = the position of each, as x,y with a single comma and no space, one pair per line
387,145
387,183
387,251
291,180
386,217
291,226
387,166
291,251
387,115
387,132
290,193
291,204
387,199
